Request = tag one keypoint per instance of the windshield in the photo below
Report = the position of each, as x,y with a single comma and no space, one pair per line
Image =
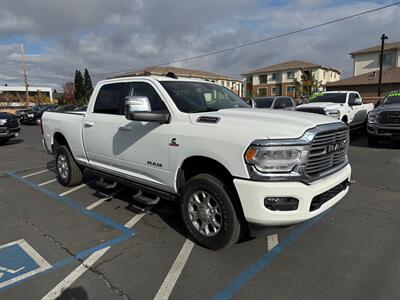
328,97
392,98
191,97
263,102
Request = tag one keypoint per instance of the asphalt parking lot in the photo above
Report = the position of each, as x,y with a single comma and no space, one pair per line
351,252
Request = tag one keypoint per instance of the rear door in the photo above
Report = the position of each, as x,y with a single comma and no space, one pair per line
357,109
132,149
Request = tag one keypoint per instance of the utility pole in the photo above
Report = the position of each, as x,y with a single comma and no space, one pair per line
383,38
25,76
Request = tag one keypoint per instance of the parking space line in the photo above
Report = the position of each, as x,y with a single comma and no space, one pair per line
272,241
176,270
75,189
102,200
37,173
87,264
47,182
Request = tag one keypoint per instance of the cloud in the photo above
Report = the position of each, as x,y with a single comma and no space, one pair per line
110,36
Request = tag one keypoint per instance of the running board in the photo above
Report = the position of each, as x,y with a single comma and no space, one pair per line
106,184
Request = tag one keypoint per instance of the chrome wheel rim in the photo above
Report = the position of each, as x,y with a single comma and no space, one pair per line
62,166
205,213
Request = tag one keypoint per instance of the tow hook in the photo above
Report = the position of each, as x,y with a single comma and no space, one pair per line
350,182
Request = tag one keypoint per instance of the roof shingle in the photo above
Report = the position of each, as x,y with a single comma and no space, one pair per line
388,46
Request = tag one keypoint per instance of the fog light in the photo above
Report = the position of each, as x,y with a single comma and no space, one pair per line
281,203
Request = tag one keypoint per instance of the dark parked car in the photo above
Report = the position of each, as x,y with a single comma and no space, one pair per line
9,127
384,120
34,115
278,102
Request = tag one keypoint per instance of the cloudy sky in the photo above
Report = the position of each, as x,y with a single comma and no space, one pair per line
108,36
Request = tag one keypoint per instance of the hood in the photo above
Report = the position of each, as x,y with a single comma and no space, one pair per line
8,116
263,123
387,107
328,105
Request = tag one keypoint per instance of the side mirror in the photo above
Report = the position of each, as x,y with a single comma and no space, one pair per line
138,108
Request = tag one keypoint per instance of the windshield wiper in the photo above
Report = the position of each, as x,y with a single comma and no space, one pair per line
204,110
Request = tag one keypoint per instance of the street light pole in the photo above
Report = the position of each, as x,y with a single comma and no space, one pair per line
25,76
383,38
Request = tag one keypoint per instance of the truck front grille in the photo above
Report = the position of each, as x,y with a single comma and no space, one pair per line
12,123
316,110
389,117
328,151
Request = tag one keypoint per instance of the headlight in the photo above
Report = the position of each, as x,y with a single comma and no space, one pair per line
30,115
276,159
335,113
372,117
3,121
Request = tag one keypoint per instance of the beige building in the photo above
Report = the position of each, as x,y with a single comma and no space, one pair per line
280,79
231,83
367,60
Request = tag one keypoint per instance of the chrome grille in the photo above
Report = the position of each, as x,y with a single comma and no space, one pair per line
12,123
328,151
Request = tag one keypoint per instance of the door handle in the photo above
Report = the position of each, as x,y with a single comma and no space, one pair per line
88,124
124,128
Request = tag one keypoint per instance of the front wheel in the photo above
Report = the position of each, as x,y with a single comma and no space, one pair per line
209,213
4,141
68,171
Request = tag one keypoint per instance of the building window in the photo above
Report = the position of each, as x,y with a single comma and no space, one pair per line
290,89
262,92
388,59
263,78
276,91
249,79
290,75
274,76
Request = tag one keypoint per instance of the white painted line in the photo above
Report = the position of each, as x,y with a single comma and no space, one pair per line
36,173
176,270
82,268
74,275
101,201
47,182
272,241
74,189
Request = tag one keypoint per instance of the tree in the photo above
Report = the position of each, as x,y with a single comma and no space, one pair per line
88,87
79,87
69,93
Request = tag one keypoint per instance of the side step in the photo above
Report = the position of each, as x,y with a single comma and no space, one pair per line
142,203
108,185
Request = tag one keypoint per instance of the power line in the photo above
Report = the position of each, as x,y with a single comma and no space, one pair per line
215,52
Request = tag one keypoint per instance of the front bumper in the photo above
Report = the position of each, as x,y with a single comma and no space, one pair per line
384,131
6,132
253,193
47,148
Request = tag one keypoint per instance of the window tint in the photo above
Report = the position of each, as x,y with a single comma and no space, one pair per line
110,99
287,102
145,89
279,103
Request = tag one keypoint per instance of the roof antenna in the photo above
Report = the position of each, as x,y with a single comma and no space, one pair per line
171,75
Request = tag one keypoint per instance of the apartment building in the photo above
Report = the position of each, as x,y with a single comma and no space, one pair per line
281,79
367,60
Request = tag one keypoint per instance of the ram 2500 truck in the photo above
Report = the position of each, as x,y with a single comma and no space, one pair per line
342,105
9,127
384,120
195,142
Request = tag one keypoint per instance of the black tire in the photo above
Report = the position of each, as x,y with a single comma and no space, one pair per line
372,141
73,175
4,141
37,121
222,194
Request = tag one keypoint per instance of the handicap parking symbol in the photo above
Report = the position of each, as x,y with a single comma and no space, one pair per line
18,260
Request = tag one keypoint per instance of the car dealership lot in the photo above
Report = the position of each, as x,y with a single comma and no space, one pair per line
352,251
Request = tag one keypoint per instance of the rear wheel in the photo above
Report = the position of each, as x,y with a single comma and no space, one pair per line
209,213
68,171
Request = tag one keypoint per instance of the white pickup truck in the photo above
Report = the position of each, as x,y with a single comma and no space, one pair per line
342,105
195,142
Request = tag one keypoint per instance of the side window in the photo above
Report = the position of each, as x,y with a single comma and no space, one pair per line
110,99
145,89
352,98
279,103
288,102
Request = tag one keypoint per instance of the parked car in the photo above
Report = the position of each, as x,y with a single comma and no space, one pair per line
278,102
34,116
9,127
384,120
199,144
342,105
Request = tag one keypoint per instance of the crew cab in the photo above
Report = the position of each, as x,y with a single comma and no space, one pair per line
342,105
273,102
9,127
384,120
227,165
